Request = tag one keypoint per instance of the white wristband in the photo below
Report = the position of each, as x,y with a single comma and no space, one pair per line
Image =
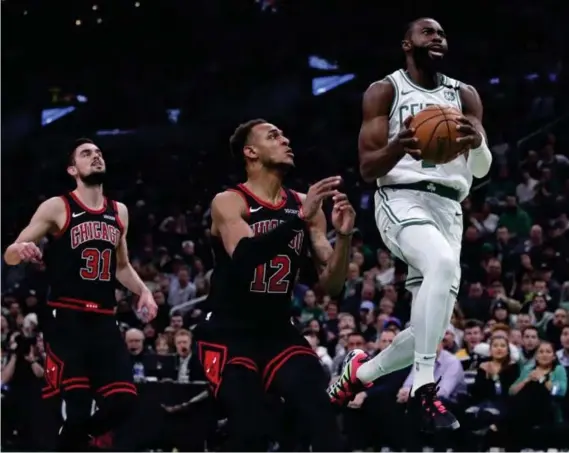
479,160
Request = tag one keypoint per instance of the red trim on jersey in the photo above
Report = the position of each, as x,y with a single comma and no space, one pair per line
67,217
264,203
242,195
80,305
117,216
89,210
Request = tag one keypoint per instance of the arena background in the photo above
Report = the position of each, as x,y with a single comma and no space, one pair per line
160,86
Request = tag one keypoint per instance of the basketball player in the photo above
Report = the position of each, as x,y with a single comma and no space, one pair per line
261,231
86,356
418,211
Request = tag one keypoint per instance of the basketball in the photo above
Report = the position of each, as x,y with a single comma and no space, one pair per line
435,128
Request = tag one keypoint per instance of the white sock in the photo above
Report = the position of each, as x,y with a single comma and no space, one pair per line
396,356
423,370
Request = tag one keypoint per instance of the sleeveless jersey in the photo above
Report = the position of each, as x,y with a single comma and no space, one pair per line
81,258
264,298
410,99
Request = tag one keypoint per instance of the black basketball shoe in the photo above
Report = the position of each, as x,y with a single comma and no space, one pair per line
429,412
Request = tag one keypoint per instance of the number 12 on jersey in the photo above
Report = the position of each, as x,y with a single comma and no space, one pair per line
272,277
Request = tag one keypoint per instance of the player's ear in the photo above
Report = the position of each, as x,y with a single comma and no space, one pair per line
71,170
406,45
249,152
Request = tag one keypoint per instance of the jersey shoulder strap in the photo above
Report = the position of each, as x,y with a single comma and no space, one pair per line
395,78
293,198
113,211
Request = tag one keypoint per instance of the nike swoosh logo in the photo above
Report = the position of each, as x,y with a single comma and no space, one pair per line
251,210
77,214
405,93
458,214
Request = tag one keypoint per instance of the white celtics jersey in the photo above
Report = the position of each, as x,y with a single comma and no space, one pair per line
410,99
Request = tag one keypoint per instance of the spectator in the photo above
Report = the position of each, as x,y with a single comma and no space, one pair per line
514,218
525,191
187,364
341,350
503,185
457,325
523,320
320,351
161,346
491,385
500,312
448,342
472,337
515,338
384,270
181,288
538,387
563,353
486,221
176,322
476,305
498,330
538,311
530,343
554,327
310,309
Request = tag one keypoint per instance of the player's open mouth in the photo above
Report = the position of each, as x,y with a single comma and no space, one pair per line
290,153
436,52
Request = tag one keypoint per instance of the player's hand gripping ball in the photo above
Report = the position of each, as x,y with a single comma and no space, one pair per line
438,133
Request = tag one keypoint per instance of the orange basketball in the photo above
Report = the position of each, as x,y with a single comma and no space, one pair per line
435,127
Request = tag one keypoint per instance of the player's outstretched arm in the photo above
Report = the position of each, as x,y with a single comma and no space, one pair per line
247,250
42,222
479,157
377,156
332,263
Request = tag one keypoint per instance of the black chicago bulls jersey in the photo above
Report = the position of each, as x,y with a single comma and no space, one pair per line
264,297
81,258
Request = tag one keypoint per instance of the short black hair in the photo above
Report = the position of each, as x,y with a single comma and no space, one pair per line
356,334
530,328
240,137
76,144
473,323
410,25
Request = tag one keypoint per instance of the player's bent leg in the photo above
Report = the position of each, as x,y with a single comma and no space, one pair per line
242,398
301,381
359,370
